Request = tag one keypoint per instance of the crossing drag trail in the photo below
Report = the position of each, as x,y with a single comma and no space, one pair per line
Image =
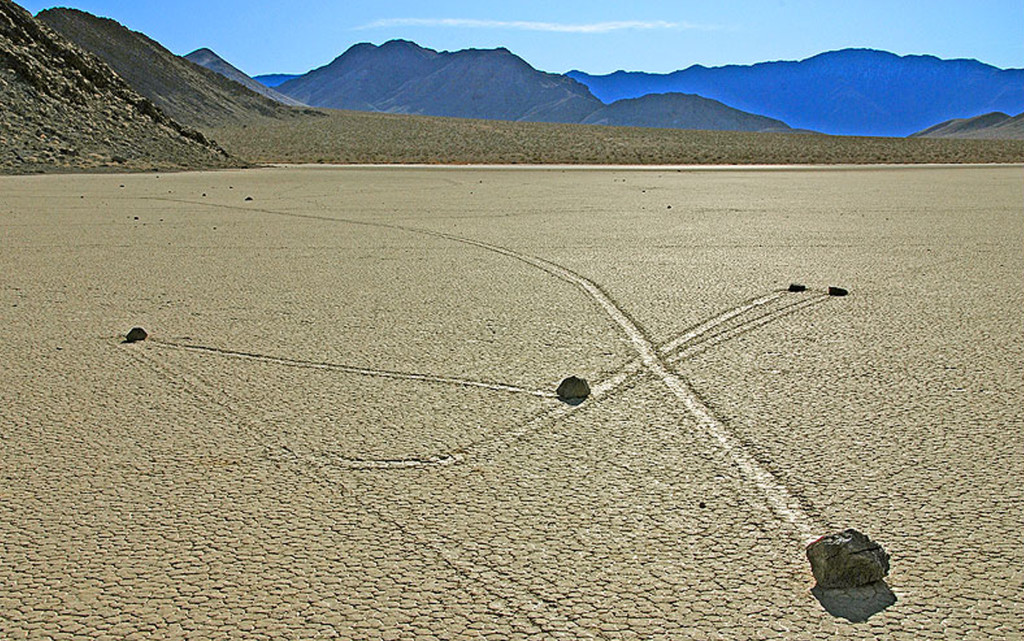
774,492
335,471
728,324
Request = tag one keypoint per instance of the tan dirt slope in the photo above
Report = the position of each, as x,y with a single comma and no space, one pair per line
61,108
995,125
188,92
209,59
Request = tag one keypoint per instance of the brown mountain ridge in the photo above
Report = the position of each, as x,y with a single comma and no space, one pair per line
61,107
187,92
208,58
990,126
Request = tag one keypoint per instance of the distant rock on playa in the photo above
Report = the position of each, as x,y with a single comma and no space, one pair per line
135,335
847,559
573,389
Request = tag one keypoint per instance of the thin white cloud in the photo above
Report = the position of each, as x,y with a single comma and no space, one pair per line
522,25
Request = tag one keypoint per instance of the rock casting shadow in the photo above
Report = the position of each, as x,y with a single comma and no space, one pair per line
855,604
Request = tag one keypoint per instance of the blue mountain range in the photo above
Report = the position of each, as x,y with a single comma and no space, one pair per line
851,91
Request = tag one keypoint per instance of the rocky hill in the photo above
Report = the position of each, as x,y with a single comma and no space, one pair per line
996,125
207,58
61,109
681,111
402,77
186,91
493,84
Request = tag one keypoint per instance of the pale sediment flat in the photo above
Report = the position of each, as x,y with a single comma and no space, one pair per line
343,422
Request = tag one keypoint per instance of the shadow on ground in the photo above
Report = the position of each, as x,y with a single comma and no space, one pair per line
855,604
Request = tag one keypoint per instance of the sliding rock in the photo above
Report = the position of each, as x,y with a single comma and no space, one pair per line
847,559
135,335
573,389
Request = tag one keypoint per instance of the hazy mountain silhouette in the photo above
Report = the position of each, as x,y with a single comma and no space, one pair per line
852,91
209,59
681,111
996,125
61,107
186,91
274,79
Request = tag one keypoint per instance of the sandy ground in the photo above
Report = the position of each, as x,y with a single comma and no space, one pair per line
343,425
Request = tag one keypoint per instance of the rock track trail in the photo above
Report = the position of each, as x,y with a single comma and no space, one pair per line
538,612
537,609
349,369
783,503
714,331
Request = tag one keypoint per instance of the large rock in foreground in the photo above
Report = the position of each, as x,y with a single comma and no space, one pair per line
847,559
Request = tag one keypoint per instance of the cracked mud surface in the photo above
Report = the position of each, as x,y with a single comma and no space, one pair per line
343,423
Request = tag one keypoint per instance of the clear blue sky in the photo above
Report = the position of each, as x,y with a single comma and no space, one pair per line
267,36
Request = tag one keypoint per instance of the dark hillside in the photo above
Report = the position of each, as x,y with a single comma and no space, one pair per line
63,109
186,91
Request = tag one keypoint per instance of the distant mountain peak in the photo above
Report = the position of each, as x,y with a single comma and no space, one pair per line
208,58
402,77
854,91
400,42
189,93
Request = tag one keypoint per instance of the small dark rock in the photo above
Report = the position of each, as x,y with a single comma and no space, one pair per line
136,217
837,291
573,389
795,287
248,198
702,505
847,559
135,335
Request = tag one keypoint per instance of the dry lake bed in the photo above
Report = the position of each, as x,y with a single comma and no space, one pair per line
343,422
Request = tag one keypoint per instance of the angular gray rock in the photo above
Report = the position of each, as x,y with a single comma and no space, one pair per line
847,559
135,335
573,389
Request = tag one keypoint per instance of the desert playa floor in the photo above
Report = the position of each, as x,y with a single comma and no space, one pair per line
343,423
